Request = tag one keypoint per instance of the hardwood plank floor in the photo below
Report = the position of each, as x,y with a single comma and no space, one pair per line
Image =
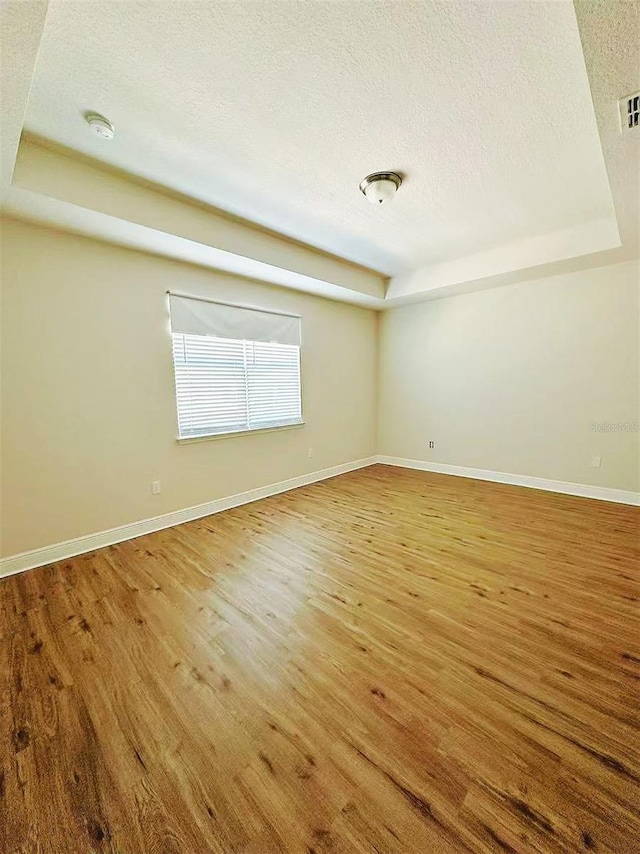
389,661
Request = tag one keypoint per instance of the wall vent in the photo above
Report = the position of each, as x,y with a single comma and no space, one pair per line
630,114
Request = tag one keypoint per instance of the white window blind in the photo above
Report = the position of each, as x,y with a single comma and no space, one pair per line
230,383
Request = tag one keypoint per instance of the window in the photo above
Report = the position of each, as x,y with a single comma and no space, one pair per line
236,369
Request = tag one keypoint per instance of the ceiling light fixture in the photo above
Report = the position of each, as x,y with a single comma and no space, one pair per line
380,187
101,127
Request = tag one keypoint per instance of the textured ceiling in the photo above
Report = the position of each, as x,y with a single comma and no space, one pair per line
21,27
275,110
610,34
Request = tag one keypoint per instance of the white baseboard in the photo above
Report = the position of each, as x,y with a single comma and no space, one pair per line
601,493
80,545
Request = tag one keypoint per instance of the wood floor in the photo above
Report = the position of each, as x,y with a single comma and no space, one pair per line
389,661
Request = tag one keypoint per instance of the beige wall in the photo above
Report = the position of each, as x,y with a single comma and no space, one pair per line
509,379
506,380
88,408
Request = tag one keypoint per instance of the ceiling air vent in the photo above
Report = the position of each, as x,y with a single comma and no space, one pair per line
630,114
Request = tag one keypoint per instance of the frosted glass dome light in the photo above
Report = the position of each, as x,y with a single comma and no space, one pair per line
380,187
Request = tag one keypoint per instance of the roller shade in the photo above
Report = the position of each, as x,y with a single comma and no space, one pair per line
192,316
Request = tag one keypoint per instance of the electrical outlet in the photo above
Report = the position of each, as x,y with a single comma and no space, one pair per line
596,462
432,444
155,487
310,453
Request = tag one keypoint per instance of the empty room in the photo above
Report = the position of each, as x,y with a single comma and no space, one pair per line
320,427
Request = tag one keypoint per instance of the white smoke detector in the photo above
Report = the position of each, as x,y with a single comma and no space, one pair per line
380,187
100,127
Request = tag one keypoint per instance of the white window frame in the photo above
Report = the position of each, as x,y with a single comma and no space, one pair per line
250,348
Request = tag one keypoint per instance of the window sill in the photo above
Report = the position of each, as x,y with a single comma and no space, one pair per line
189,440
